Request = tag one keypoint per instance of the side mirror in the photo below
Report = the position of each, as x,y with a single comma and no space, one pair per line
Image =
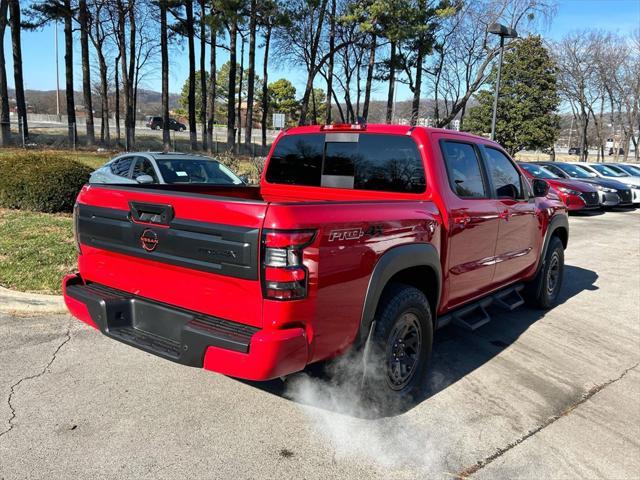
144,179
244,178
540,188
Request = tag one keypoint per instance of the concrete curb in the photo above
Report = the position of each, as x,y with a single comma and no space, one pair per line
12,301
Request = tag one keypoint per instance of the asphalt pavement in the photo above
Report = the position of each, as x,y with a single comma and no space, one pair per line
530,395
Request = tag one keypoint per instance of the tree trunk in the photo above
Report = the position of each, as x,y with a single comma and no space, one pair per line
265,87
203,75
105,135
332,45
5,126
193,132
121,37
392,83
312,64
367,88
240,96
132,66
231,111
164,54
17,67
415,104
117,99
212,88
86,71
68,69
251,79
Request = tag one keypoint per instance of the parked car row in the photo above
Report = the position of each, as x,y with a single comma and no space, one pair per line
583,186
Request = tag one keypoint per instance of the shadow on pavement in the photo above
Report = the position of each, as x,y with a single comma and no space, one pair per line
457,352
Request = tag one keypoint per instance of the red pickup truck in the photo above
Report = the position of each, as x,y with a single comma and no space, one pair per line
358,236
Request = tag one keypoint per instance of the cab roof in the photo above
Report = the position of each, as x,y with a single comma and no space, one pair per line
377,128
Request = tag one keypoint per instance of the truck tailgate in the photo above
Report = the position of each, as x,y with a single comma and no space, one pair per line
196,251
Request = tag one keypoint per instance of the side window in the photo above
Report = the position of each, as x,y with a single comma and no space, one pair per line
555,170
143,167
390,163
504,175
122,166
463,169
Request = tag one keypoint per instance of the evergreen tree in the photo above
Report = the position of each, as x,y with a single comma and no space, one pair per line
527,103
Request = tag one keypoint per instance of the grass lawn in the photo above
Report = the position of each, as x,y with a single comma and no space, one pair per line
36,250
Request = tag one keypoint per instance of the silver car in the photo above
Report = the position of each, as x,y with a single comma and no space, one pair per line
626,169
164,168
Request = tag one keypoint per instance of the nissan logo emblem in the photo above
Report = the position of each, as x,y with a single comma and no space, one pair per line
149,240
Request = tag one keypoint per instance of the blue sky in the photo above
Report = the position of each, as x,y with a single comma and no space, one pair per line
619,16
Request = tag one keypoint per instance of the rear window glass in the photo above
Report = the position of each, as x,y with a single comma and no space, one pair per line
348,160
122,166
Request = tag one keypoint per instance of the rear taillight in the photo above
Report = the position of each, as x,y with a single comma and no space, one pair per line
76,222
284,277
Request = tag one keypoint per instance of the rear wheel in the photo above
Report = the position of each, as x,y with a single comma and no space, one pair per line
399,349
544,289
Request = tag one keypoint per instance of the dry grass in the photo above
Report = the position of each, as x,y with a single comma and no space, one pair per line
36,250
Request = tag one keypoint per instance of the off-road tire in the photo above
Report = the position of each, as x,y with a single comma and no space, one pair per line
543,291
395,365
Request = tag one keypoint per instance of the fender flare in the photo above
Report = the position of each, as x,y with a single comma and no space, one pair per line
556,222
391,262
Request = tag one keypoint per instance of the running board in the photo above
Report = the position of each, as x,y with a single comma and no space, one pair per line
510,299
475,315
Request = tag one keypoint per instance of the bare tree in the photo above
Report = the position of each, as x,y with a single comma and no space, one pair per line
5,127
203,77
269,20
464,50
97,24
83,19
578,81
298,41
16,27
231,111
68,69
164,54
251,77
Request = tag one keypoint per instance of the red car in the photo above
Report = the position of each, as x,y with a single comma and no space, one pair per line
574,194
359,237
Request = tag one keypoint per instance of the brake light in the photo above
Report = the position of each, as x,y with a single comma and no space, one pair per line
344,126
76,223
284,276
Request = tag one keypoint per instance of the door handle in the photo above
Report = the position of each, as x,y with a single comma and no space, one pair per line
504,214
462,220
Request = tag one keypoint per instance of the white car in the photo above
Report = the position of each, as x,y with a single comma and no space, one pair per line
604,171
164,168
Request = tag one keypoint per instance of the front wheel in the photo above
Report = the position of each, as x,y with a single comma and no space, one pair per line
543,291
399,349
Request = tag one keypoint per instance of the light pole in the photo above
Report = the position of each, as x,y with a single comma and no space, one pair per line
503,32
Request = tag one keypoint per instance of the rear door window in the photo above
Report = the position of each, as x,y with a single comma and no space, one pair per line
463,169
348,160
504,175
122,167
143,167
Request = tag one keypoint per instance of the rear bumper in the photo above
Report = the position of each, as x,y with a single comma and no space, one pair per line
185,336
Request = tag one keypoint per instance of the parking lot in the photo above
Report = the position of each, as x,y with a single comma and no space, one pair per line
530,395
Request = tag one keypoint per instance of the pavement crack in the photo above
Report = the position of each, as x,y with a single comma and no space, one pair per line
12,391
467,472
